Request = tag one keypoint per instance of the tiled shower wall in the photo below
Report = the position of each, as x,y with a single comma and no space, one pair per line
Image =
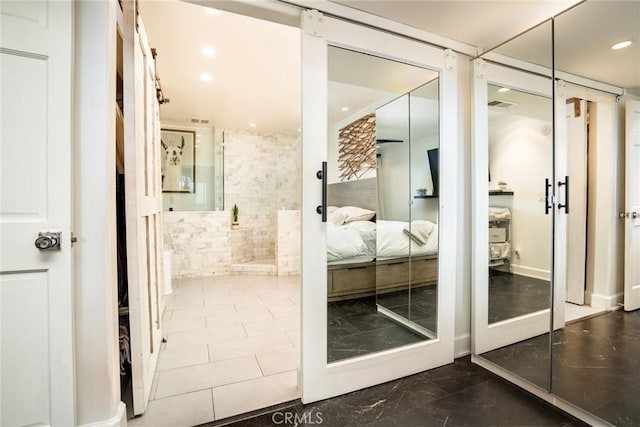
199,242
262,175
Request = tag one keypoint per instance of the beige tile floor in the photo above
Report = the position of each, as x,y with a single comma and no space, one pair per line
233,346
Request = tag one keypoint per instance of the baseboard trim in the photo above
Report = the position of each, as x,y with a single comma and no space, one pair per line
118,420
536,273
605,301
462,345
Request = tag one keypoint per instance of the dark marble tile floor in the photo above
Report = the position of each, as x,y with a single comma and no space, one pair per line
511,295
458,394
355,327
596,364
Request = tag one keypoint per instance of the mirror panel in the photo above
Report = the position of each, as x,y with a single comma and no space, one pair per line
368,283
514,290
424,123
595,351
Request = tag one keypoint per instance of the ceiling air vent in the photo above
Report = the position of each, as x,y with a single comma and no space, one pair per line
200,121
501,104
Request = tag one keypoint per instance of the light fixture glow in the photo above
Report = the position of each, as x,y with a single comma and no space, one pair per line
208,51
252,125
206,77
622,45
504,89
212,11
345,108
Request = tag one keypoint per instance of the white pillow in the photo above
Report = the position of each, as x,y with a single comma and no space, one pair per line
336,218
362,225
331,209
343,242
354,213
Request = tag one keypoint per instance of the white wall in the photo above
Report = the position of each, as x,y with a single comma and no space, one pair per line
607,191
96,301
521,154
463,287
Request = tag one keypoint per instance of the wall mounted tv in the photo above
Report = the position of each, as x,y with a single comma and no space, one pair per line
433,156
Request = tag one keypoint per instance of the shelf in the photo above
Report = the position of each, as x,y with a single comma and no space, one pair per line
500,193
431,196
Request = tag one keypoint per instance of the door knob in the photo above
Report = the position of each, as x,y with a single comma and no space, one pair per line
632,215
47,241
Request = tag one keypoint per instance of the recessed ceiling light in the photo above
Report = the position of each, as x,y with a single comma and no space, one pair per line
345,108
622,45
504,89
252,125
212,11
206,77
208,50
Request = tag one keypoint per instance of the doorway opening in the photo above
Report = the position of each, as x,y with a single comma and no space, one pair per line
232,231
581,224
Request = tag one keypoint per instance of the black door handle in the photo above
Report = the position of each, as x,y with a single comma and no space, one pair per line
547,206
322,175
566,195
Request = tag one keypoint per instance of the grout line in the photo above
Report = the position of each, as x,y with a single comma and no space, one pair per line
213,405
255,356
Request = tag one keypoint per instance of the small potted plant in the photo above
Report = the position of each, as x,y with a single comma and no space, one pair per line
234,212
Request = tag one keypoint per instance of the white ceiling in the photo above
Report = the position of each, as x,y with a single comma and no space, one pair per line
257,66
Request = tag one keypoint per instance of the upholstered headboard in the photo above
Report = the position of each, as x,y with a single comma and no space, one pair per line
362,193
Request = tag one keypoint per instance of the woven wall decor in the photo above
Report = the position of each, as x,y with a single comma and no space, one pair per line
357,147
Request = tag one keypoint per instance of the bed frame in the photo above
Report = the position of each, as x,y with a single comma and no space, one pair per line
345,281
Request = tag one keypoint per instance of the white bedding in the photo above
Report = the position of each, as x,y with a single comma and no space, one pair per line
363,241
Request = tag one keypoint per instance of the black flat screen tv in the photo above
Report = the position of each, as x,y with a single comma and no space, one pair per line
434,156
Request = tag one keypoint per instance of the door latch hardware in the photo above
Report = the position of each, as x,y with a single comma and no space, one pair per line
49,240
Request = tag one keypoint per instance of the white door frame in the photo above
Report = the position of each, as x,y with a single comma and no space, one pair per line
485,336
632,206
320,380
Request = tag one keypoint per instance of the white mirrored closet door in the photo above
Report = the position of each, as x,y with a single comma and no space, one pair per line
379,245
513,221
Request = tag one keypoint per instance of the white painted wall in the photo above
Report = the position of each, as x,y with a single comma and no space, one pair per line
521,154
463,219
97,363
606,156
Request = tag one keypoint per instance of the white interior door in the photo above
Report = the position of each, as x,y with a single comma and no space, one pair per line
36,286
321,380
143,197
632,208
488,334
576,116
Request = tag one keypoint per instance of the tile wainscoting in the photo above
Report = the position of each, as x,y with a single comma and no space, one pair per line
203,244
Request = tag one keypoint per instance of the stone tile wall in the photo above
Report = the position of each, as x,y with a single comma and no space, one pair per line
262,176
199,242
288,247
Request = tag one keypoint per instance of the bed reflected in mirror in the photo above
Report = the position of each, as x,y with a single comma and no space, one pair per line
376,300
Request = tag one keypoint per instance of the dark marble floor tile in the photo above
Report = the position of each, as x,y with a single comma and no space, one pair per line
459,394
341,347
595,364
511,295
458,375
